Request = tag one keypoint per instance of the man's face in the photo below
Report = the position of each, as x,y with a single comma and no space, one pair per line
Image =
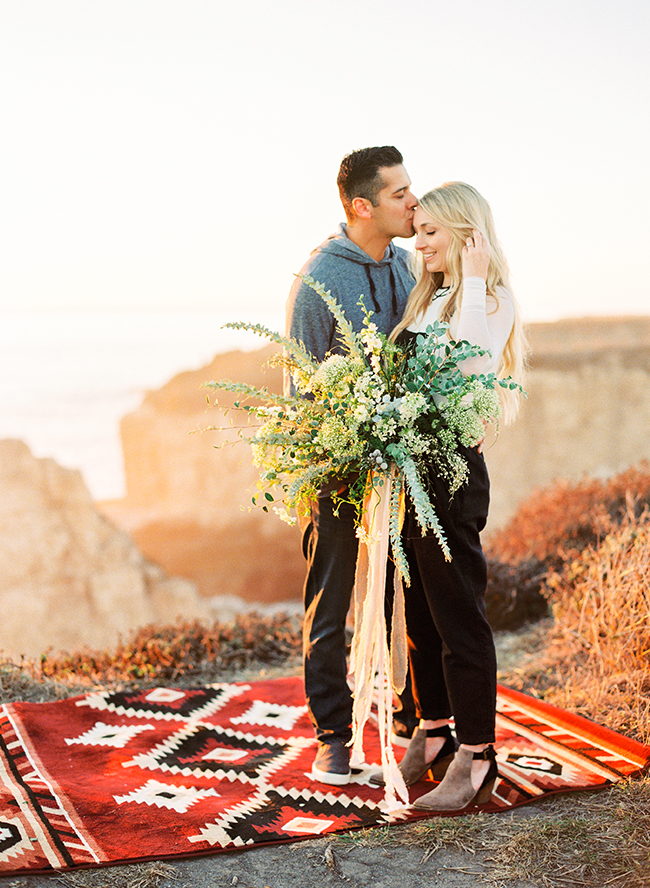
393,215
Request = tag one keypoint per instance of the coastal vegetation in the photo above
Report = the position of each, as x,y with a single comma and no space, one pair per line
589,542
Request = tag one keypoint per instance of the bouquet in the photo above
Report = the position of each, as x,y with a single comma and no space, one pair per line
373,408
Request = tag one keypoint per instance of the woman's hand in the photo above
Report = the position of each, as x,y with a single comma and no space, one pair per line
476,256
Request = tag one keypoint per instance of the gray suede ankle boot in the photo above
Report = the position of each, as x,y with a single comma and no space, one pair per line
414,766
456,790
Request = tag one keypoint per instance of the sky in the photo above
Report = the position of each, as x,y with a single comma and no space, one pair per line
182,154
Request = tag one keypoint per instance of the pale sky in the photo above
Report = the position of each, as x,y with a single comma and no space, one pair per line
183,153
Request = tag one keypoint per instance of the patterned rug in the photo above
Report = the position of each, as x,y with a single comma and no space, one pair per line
117,777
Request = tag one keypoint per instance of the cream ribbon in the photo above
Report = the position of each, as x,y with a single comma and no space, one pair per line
371,660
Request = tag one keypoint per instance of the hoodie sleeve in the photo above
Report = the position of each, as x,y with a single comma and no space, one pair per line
309,320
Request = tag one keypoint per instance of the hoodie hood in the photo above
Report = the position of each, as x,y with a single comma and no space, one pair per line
339,244
357,283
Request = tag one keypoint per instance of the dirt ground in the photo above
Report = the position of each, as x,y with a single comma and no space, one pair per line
331,862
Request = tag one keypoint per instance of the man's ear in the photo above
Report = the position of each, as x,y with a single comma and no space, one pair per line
362,207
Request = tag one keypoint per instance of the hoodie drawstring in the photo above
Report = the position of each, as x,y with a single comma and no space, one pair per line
371,284
393,290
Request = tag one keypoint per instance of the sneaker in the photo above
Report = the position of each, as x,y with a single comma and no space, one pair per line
332,763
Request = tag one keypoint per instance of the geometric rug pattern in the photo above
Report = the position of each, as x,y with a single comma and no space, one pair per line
117,777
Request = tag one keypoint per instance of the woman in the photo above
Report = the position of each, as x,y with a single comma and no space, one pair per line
463,281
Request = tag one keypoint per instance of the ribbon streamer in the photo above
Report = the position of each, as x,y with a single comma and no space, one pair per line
371,660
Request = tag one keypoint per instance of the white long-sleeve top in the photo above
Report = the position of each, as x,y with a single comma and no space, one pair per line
481,320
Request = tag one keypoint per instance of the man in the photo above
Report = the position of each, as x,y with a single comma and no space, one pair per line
359,260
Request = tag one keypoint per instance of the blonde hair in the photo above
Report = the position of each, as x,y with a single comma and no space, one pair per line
459,208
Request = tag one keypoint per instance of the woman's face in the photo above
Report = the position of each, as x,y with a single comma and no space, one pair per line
432,240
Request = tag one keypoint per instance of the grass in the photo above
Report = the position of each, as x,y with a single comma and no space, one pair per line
565,518
183,654
591,839
593,546
145,875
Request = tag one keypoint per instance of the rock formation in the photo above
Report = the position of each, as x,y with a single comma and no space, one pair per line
68,577
587,411
188,505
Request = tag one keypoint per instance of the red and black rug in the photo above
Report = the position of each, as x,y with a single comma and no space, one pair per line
117,777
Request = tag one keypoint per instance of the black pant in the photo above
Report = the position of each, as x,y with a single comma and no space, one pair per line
330,546
451,648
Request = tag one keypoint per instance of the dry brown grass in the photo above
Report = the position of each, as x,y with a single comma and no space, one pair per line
184,650
584,841
144,875
591,543
184,654
596,656
601,608
20,681
556,523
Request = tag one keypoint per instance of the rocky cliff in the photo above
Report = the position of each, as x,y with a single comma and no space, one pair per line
68,577
587,411
187,504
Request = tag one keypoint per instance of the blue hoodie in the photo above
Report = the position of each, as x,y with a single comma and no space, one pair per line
349,273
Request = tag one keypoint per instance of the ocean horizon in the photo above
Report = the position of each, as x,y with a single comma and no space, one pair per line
68,377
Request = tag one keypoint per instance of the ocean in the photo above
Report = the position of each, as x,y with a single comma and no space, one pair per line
67,377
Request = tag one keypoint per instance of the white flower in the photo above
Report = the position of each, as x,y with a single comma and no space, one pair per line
333,375
283,515
385,427
411,406
485,400
301,380
338,440
371,340
415,443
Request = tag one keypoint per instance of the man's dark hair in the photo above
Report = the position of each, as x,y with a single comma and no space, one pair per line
359,174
